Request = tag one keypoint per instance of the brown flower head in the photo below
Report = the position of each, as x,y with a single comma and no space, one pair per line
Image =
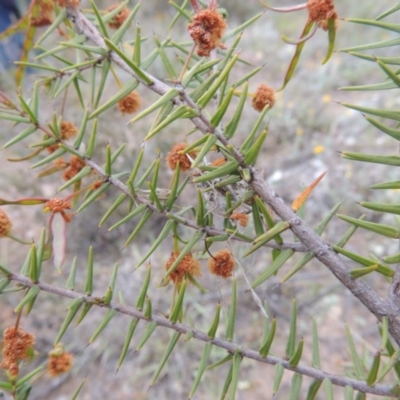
222,264
263,96
189,265
75,165
118,19
176,156
59,206
206,29
5,224
68,130
324,24
42,20
68,3
15,347
52,148
242,218
321,10
59,361
130,104
60,163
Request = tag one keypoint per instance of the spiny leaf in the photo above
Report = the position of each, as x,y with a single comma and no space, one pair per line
167,353
230,328
380,229
106,320
357,363
279,370
295,386
266,345
291,344
202,366
72,310
128,338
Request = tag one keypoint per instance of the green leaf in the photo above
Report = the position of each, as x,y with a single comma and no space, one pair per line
374,111
143,292
145,217
209,94
89,273
296,357
202,366
128,88
237,359
128,338
373,372
138,210
387,185
137,70
72,310
120,199
150,328
167,353
29,297
357,364
230,327
266,345
279,370
227,383
380,229
72,275
331,38
378,24
77,391
296,56
252,154
316,361
213,329
273,267
21,136
328,387
163,100
111,286
295,386
232,125
385,208
177,311
118,35
313,389
382,268
291,344
106,320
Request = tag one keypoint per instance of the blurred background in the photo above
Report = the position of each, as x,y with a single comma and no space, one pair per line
308,127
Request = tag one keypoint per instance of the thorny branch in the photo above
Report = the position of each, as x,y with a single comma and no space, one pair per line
323,251
230,347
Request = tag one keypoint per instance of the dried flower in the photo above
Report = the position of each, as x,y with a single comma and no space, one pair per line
52,148
189,265
176,156
75,165
118,19
42,20
60,163
68,3
59,206
130,104
222,264
60,361
68,130
5,224
15,347
242,218
263,96
206,29
321,10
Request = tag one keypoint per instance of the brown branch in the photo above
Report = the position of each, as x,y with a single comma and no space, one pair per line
323,251
230,347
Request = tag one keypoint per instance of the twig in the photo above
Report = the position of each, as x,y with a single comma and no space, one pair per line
230,347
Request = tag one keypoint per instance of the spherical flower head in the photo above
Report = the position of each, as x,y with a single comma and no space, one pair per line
130,104
59,206
52,148
68,130
42,20
189,265
242,218
59,361
75,165
263,96
321,10
5,224
15,347
206,29
176,156
45,6
222,263
118,19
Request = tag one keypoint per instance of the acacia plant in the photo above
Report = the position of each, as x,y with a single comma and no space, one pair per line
213,206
